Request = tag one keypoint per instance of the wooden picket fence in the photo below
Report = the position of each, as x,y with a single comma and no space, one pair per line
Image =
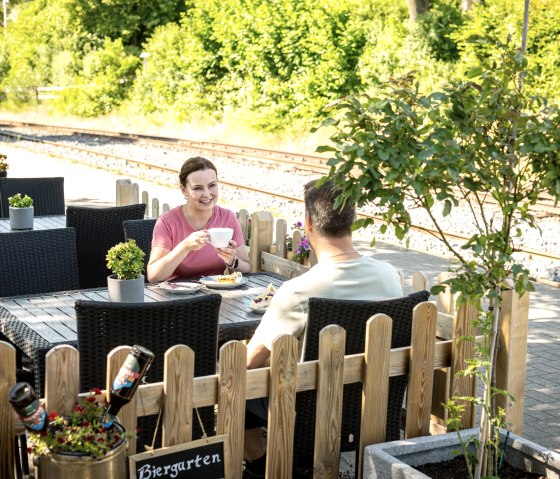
234,384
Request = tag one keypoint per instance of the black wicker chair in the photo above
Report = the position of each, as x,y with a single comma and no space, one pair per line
97,230
193,321
47,194
38,261
141,231
352,316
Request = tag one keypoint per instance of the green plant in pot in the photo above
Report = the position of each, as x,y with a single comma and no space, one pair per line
447,152
21,212
3,165
126,261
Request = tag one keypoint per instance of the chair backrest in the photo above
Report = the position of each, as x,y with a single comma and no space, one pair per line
38,261
47,194
141,231
102,326
97,230
353,315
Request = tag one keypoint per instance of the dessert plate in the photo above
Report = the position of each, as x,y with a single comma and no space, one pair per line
212,282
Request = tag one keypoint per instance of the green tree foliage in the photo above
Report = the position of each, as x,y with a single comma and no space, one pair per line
270,64
479,137
103,82
275,60
133,21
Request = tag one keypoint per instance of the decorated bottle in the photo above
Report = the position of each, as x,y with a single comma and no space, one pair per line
126,382
28,407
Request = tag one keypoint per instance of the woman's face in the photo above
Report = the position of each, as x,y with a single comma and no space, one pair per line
201,190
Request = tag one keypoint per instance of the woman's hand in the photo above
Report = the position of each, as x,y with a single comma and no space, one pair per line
228,254
196,240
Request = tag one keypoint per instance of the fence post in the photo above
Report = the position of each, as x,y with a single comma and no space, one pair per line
281,232
178,377
512,354
243,217
421,371
155,208
122,187
377,358
231,401
262,227
62,379
127,414
462,351
146,201
7,423
328,417
281,407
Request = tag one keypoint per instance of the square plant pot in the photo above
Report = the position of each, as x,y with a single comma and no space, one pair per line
396,459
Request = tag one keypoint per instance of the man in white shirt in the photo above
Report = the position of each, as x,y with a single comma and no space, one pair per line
340,273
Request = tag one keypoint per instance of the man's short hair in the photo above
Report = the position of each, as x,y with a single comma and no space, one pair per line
319,205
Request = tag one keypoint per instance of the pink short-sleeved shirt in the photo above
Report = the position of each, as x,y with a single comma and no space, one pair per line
172,227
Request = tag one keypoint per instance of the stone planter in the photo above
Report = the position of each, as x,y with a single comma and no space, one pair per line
75,465
396,459
21,218
125,290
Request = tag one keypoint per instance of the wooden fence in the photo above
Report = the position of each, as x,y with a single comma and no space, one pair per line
229,389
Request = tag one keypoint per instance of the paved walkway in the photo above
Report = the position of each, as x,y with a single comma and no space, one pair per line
84,185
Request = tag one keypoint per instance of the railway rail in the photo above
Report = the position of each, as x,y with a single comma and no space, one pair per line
315,164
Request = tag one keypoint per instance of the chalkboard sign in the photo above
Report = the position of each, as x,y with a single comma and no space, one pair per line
202,459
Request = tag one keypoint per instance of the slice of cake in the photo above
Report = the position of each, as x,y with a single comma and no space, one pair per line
261,302
232,278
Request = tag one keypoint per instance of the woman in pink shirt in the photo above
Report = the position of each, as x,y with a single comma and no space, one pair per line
181,246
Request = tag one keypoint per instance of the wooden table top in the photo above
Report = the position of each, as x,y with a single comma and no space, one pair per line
36,323
39,223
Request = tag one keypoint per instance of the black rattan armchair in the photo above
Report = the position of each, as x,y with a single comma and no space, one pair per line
141,231
97,230
39,261
47,194
193,321
353,316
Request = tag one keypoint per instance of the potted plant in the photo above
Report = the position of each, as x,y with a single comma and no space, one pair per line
3,165
78,445
21,212
126,261
477,139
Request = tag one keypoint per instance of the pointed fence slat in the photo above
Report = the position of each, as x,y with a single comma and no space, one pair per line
177,388
463,350
328,424
62,366
421,374
7,423
282,407
377,357
231,401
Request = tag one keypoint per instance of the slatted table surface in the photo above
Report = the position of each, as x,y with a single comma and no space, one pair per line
39,223
37,323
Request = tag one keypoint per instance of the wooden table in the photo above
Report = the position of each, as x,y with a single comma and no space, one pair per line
37,323
39,223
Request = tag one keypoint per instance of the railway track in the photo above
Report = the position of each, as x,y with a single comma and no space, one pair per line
310,163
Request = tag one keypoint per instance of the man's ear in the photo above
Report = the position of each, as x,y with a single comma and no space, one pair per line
308,226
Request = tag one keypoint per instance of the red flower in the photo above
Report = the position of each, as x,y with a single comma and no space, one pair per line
85,423
52,416
79,409
91,399
100,439
97,391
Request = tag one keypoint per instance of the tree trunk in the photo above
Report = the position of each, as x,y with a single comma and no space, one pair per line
416,7
466,5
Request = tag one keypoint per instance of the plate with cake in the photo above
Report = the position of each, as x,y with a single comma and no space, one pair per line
259,303
224,281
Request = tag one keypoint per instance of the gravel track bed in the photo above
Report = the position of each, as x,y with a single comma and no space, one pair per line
286,181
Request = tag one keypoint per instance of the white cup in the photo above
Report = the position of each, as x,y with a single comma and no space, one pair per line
220,237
